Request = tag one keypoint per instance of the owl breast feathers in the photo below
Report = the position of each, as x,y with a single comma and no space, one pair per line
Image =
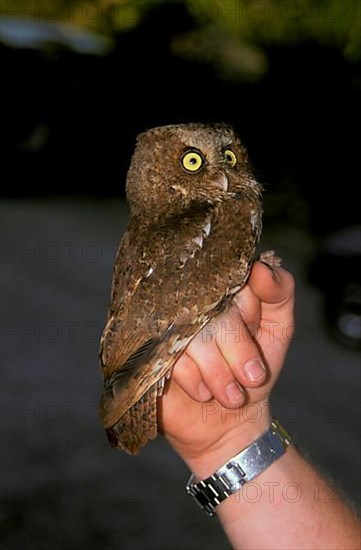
195,219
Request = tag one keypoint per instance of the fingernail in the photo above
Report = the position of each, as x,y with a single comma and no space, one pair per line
234,393
204,392
254,369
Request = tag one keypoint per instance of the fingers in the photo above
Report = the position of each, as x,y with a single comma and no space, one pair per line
219,361
215,371
273,290
239,350
224,358
273,286
249,307
189,378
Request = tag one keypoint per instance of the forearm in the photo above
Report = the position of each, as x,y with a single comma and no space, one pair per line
288,506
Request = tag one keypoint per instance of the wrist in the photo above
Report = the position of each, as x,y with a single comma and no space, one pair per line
243,467
238,437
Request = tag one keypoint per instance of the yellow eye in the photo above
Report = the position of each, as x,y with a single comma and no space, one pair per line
192,161
230,157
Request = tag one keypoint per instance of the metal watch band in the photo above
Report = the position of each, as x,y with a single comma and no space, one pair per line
243,467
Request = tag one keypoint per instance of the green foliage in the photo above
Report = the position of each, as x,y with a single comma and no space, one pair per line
231,34
98,15
234,34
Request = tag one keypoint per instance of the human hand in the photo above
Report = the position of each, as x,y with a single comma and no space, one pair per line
203,413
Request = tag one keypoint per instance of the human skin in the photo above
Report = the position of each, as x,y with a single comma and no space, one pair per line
292,505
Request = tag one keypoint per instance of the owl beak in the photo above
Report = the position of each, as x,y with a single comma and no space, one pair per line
221,181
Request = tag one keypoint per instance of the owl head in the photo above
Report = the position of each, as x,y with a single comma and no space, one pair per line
175,167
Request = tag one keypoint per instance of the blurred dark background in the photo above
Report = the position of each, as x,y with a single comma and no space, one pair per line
79,81
285,74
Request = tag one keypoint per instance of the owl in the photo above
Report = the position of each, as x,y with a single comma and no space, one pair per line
195,219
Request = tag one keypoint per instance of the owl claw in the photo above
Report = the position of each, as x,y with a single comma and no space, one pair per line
270,259
169,373
161,383
160,386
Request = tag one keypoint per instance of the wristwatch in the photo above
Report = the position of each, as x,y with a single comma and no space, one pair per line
243,467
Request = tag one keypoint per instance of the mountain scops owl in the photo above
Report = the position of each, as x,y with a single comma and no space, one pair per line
195,220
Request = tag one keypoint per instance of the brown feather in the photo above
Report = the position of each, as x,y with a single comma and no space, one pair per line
190,242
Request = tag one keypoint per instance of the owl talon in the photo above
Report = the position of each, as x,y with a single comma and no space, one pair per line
169,373
270,259
160,386
161,382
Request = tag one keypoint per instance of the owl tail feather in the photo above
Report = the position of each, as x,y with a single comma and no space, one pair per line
137,425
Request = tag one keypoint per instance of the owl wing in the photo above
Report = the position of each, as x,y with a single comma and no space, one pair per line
134,385
136,356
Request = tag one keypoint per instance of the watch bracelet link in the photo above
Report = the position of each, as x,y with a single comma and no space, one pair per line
240,469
